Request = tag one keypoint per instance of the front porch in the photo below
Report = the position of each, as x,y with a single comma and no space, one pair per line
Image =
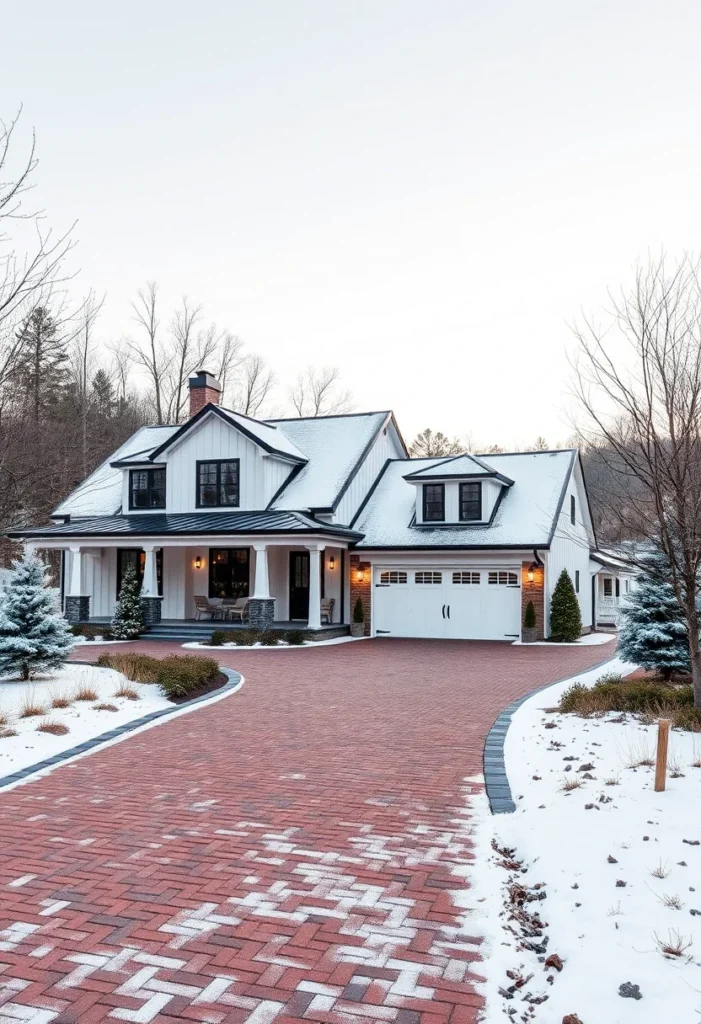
206,582
611,589
190,630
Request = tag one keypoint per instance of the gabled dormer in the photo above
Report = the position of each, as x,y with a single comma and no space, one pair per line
459,491
217,461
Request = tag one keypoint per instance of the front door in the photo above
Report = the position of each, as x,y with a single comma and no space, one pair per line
299,585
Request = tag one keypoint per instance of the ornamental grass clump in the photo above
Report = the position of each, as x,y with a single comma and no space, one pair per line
180,677
140,668
218,638
295,637
634,696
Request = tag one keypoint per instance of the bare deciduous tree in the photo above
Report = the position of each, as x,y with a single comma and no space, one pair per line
316,393
26,276
147,351
431,444
638,379
255,382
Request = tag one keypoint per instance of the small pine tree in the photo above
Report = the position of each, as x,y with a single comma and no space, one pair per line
128,620
565,616
653,632
358,613
34,636
529,619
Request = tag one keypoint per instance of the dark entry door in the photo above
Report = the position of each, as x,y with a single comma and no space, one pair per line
299,584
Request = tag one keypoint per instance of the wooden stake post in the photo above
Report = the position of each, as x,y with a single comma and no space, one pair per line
661,763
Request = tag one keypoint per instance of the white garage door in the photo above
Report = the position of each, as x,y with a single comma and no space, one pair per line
454,603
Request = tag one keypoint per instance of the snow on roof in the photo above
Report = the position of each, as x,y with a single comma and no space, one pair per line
267,432
101,492
524,518
457,465
333,445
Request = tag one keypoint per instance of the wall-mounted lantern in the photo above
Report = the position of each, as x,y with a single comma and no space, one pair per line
531,572
332,562
198,562
360,575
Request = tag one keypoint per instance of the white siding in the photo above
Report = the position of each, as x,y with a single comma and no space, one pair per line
570,550
260,474
386,446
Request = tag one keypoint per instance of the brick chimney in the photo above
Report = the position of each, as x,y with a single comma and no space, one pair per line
204,388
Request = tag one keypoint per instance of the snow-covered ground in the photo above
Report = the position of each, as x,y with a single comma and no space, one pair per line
588,640
620,864
274,647
81,717
81,641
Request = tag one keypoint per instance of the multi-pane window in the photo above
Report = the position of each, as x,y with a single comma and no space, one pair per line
147,488
434,503
218,483
228,572
466,577
503,579
608,586
135,558
428,577
392,577
470,501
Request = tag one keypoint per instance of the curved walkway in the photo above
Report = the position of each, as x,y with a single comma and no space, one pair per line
284,854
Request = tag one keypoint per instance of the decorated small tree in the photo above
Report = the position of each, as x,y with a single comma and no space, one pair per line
653,632
34,636
565,615
128,619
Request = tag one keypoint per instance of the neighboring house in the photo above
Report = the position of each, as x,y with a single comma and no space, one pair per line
296,514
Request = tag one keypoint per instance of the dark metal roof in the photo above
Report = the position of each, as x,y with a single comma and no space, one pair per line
190,523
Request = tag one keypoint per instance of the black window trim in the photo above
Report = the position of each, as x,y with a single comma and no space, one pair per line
441,488
149,471
218,463
470,519
139,552
573,510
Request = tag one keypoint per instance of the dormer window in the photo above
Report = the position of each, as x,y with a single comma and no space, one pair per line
470,502
147,488
218,483
434,503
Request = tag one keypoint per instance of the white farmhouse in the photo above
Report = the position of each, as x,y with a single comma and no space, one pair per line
287,522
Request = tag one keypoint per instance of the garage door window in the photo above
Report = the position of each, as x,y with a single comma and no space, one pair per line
392,577
503,579
428,577
466,577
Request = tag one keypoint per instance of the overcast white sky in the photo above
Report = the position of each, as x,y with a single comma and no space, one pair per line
422,193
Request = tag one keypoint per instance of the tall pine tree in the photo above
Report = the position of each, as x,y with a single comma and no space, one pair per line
565,614
653,632
34,636
42,371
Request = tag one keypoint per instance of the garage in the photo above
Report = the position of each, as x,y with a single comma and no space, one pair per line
480,603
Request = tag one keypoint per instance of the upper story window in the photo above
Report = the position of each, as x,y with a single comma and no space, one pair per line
218,483
434,503
470,502
573,509
147,488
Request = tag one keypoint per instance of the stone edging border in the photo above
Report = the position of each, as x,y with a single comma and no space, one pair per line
496,781
234,681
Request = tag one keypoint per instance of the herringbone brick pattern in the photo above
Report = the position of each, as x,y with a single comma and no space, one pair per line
284,854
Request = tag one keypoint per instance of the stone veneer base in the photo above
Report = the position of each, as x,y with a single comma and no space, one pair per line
77,608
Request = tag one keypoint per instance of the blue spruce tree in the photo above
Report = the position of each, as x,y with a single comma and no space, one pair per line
34,636
653,631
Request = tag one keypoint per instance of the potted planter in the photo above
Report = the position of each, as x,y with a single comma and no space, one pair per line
530,632
358,623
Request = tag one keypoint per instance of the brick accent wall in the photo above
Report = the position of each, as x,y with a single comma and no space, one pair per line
361,590
535,592
199,397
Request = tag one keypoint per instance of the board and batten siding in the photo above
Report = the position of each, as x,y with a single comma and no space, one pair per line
387,446
569,550
260,475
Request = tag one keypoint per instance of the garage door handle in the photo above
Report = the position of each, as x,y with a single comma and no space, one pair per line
448,611
443,611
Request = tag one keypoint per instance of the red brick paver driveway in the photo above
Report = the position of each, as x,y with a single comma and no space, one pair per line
283,854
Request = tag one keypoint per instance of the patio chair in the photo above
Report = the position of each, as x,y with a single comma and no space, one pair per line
204,607
327,609
235,609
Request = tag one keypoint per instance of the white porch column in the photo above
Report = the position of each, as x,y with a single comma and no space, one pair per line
75,582
149,585
261,586
314,620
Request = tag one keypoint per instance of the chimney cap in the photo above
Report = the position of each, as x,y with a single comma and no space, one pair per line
204,379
